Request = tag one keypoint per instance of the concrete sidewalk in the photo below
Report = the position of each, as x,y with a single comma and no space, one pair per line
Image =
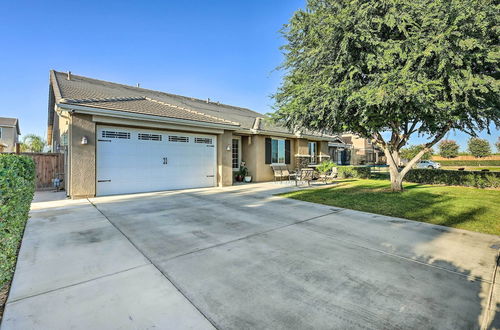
240,257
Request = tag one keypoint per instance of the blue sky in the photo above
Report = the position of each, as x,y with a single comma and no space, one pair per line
224,50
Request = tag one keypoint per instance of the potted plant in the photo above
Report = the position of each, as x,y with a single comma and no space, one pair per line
243,174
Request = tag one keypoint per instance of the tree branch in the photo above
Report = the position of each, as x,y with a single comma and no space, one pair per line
426,148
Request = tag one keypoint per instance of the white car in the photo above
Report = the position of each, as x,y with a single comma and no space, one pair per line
427,164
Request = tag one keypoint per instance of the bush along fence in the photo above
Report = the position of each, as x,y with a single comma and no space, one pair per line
17,186
361,172
455,178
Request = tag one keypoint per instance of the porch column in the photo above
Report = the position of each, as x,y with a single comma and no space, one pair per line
224,159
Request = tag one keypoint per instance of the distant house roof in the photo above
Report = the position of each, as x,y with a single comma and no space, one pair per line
77,90
10,122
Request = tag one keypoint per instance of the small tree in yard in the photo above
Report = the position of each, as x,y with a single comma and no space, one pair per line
411,151
448,149
479,148
389,69
497,144
32,143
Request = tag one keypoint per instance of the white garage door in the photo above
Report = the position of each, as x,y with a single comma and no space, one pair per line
141,160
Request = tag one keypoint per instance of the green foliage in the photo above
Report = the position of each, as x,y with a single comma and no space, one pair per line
398,66
362,172
448,149
469,162
325,166
368,66
17,186
411,151
479,147
497,144
455,178
32,143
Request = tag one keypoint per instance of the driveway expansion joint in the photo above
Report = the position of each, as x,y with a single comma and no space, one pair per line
395,255
251,235
75,284
212,322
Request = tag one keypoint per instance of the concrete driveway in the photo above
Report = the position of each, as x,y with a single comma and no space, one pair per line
241,258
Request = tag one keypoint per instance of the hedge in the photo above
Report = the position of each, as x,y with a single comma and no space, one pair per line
454,178
17,186
362,172
469,162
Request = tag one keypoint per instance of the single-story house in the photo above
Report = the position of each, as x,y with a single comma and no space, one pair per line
124,139
9,134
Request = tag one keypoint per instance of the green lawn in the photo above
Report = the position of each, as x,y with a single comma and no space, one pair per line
458,207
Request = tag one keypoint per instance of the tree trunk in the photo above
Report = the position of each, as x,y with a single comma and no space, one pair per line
396,176
396,179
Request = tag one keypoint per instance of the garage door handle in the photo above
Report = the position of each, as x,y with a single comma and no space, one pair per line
103,180
165,160
210,176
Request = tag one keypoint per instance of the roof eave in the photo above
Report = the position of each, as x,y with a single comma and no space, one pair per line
124,114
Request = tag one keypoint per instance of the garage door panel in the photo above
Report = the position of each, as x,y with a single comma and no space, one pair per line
136,160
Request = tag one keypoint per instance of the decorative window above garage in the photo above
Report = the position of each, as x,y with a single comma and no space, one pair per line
176,138
115,135
149,137
202,140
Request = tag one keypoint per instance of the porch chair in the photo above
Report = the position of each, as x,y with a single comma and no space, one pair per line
330,176
304,174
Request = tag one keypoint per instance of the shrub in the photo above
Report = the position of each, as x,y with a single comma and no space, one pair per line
469,162
479,147
17,186
448,149
362,172
411,151
325,166
455,178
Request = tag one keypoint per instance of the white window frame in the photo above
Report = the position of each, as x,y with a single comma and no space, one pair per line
314,152
281,147
239,153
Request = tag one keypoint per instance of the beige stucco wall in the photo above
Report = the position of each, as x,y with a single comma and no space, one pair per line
82,162
9,138
254,155
224,159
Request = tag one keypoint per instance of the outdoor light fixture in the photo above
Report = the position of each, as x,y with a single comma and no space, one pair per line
85,140
228,148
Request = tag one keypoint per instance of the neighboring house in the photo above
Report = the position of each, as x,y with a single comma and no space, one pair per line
9,134
123,139
362,151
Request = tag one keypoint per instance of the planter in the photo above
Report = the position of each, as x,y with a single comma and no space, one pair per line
239,178
248,179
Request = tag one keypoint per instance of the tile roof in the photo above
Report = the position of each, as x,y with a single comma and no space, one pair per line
100,94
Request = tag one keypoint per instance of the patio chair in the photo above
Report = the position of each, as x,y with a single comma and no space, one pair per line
305,174
330,175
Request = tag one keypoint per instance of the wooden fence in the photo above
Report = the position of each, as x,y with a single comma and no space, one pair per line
48,167
467,157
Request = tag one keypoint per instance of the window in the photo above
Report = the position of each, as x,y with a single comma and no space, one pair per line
236,153
174,138
203,140
115,135
150,137
278,151
1,132
312,151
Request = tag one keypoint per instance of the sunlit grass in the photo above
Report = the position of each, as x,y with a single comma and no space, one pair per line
458,207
